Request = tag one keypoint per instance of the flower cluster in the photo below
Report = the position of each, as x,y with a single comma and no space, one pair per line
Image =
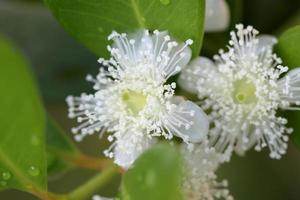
240,93
133,101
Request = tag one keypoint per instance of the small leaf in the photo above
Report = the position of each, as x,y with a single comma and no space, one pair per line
22,146
58,146
288,47
91,21
155,175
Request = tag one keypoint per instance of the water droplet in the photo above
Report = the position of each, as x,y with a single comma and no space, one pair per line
165,2
3,183
150,178
34,140
33,171
6,176
100,29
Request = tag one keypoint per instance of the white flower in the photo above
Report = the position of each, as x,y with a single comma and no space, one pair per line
133,101
199,178
216,15
242,91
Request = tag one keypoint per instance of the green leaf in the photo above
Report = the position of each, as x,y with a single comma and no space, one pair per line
91,21
58,146
288,47
22,146
155,175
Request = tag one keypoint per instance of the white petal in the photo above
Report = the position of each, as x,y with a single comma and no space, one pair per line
171,60
266,41
131,48
159,40
194,71
295,72
289,86
217,15
193,125
143,43
129,147
158,48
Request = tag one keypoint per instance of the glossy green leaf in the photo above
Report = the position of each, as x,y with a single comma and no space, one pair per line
91,21
288,47
22,144
59,148
155,175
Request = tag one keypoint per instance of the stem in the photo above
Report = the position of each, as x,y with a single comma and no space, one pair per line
83,161
89,162
87,189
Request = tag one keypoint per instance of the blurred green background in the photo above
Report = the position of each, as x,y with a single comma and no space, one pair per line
61,64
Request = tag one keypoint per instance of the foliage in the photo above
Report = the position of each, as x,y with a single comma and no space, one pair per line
92,21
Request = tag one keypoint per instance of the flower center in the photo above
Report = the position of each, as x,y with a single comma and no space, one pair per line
134,101
244,91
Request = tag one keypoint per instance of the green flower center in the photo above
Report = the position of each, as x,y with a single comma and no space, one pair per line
244,91
134,101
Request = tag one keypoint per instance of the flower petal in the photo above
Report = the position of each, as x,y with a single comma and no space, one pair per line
188,121
194,71
158,49
170,56
216,16
266,41
130,49
289,86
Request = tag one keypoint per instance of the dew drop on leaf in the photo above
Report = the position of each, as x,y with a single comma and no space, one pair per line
100,29
34,140
33,171
6,176
165,2
150,178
